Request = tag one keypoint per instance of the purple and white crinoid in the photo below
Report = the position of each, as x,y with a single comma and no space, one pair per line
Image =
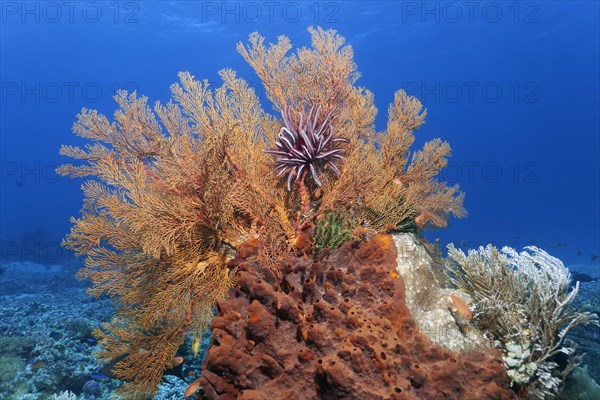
305,146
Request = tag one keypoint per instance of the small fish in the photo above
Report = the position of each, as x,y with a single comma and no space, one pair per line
20,184
594,257
194,386
461,306
578,253
176,369
579,277
422,219
177,361
98,376
38,365
195,347
91,340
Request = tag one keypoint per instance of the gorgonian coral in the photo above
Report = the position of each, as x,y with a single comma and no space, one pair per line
304,145
177,189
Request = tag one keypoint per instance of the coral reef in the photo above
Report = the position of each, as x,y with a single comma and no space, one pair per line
586,337
524,300
335,328
580,386
46,343
173,191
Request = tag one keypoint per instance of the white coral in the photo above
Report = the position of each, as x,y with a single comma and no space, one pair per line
523,298
66,395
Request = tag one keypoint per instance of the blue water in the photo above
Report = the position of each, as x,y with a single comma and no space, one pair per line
512,86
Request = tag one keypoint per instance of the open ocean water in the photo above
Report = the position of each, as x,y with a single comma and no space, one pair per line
513,86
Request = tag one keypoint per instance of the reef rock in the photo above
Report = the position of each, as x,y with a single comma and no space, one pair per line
335,328
430,303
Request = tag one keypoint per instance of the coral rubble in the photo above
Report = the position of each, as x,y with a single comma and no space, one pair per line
335,328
